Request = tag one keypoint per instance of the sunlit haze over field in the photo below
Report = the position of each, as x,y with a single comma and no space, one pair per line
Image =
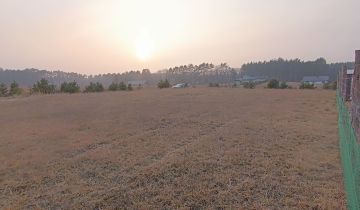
89,36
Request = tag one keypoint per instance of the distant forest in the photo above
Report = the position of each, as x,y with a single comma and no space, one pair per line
205,73
293,70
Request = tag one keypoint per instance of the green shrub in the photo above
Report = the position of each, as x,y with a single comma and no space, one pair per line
14,89
94,87
114,87
249,85
129,87
306,85
69,87
163,84
330,86
3,90
214,85
122,86
43,87
273,84
283,85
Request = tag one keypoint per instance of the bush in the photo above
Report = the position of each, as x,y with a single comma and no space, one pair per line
69,87
94,87
330,86
129,87
249,85
113,87
122,86
306,85
283,85
3,90
43,87
214,85
273,84
163,84
14,89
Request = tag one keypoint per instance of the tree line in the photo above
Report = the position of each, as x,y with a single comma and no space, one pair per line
202,74
28,77
293,70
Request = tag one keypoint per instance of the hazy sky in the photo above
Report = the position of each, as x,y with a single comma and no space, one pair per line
89,36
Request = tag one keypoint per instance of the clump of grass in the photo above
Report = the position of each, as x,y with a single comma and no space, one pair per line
249,85
306,85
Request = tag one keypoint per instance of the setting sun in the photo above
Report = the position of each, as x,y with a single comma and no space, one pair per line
144,47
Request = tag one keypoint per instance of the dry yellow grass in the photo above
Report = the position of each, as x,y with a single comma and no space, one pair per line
196,148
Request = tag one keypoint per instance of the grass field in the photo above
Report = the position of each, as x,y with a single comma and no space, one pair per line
196,148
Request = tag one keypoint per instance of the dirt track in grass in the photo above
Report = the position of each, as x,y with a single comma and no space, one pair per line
195,148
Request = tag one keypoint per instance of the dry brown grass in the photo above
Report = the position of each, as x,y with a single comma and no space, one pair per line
218,148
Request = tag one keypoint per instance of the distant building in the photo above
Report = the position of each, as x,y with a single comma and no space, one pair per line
316,80
247,78
137,83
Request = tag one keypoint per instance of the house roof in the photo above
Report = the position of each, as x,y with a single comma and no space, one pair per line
250,78
316,78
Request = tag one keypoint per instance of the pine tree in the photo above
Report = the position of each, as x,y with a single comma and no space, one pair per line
14,89
3,90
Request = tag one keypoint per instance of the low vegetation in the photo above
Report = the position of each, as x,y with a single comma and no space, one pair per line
330,86
214,85
44,87
249,85
284,85
122,86
129,87
3,90
14,89
119,87
113,87
306,85
273,84
163,84
69,87
94,87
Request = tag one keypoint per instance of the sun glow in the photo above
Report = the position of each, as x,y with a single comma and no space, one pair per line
138,31
144,46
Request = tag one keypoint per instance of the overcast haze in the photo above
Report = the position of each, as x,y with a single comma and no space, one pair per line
88,36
